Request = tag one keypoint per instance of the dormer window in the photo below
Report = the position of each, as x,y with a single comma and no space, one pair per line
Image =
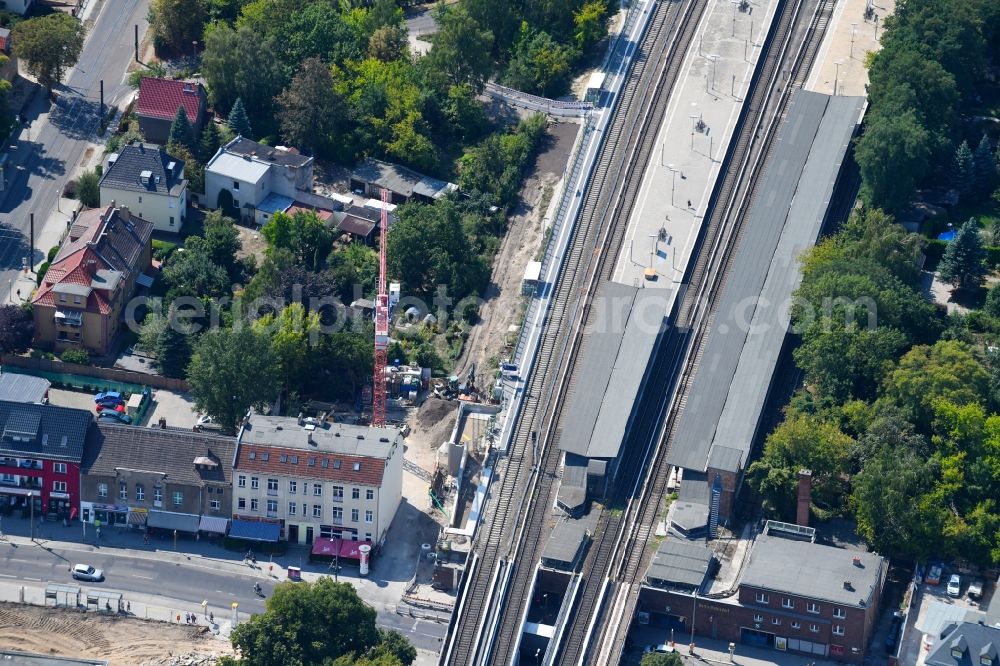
145,176
959,647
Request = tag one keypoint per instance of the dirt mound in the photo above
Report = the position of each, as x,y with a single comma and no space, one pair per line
120,640
434,411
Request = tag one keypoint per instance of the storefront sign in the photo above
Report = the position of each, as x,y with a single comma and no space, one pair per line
780,643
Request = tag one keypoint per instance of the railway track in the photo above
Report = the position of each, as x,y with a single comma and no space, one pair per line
484,596
797,34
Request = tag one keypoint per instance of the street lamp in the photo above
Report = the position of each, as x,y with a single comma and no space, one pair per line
714,58
694,119
31,509
673,184
854,31
836,76
653,247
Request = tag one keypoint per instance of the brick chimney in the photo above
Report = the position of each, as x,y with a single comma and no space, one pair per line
805,498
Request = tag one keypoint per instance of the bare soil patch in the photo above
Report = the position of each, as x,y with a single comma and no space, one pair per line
121,641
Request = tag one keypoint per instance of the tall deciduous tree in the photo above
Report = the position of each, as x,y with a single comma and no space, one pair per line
892,155
462,48
177,23
315,623
308,109
231,371
964,260
16,329
238,121
49,45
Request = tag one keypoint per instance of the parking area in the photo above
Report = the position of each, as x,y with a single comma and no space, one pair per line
933,609
177,408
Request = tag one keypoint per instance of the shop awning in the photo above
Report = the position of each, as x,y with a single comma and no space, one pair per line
215,524
14,490
350,549
252,530
326,547
165,520
57,495
137,518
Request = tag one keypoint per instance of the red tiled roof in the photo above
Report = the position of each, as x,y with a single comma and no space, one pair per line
160,98
370,473
321,213
78,268
3,42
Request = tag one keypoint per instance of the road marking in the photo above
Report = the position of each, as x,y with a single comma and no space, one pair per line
37,580
138,576
7,576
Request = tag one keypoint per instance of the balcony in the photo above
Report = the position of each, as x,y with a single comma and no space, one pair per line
27,482
69,318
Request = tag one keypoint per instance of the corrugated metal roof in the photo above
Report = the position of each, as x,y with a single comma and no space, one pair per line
680,563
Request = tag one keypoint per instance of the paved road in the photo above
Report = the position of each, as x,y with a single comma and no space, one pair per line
60,131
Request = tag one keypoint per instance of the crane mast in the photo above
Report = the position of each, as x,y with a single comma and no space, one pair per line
381,322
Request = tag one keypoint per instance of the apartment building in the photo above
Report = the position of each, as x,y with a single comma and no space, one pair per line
306,478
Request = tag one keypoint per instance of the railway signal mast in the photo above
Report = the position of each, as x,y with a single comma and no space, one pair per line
381,322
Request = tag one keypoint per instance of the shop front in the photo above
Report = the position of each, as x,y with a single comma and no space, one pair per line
106,514
59,505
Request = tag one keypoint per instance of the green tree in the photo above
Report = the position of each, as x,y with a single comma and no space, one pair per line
195,274
309,623
965,169
661,659
388,43
309,108
540,64
893,157
49,45
589,22
88,189
964,260
232,370
181,133
78,356
462,47
294,333
177,23
802,441
16,329
209,143
843,361
173,350
305,235
985,167
238,121
344,362
945,371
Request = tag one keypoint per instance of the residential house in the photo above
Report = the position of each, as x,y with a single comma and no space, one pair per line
162,478
16,387
358,223
404,184
83,295
793,595
302,479
159,100
18,6
41,447
9,69
150,183
966,644
263,180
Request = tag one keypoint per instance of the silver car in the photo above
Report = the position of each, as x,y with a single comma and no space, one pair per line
87,572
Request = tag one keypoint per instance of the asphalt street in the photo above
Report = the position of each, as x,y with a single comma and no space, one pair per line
45,154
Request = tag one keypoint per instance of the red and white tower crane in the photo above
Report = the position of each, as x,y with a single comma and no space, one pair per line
381,322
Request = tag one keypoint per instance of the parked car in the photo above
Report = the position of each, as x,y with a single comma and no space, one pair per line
975,589
101,407
206,422
895,628
116,417
933,575
657,649
87,572
955,586
109,397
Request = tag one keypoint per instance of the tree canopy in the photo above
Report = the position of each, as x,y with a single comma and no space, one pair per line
49,45
177,23
16,328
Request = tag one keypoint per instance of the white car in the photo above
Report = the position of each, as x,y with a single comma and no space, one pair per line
955,586
657,649
87,572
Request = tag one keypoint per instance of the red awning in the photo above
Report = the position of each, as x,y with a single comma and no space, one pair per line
350,549
326,547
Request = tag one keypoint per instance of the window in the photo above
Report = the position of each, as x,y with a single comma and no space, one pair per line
140,492
317,511
178,498
284,458
838,630
171,218
757,617
59,468
762,598
338,493
254,482
354,515
324,463
787,602
59,486
814,628
796,624
236,203
236,185
369,494
215,505
293,487
355,493
357,467
157,496
368,536
291,508
62,298
265,456
338,514
295,460
318,489
312,461
336,464
957,652
102,490
776,621
305,509
241,503
122,490
812,607
839,613
254,504
140,199
272,486
241,481
369,516
171,204
272,508
253,455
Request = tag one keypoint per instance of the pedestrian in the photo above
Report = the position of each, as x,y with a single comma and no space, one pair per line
211,618
128,606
